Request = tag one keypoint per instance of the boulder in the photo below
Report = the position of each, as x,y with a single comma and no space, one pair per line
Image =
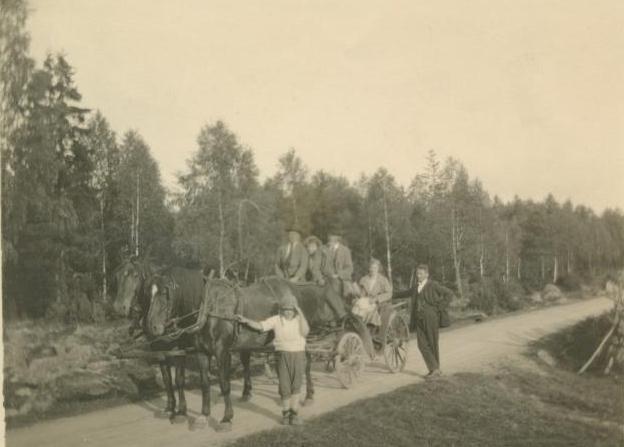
551,293
140,372
536,298
81,385
24,392
43,401
40,351
545,357
122,384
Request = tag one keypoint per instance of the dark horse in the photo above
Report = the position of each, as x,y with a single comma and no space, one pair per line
177,285
135,278
219,335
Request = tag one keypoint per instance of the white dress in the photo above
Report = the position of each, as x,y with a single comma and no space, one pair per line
375,289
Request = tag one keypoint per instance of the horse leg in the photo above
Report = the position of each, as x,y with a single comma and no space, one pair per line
268,371
179,381
203,360
309,399
225,364
165,370
245,357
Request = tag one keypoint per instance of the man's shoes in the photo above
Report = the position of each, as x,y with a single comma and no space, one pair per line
294,418
286,417
433,374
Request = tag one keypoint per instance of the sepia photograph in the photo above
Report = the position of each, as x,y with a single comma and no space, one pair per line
312,223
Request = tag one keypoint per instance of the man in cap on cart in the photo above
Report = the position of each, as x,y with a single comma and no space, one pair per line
292,257
338,264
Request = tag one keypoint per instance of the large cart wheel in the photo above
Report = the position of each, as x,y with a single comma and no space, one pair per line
349,359
396,337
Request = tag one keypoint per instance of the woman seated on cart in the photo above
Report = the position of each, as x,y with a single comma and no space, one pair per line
375,290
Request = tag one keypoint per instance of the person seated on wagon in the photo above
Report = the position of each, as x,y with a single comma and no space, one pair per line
338,265
375,290
292,258
316,257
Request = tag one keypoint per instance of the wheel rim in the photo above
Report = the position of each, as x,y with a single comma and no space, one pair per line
349,359
396,338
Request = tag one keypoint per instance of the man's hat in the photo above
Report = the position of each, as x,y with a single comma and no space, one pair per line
294,228
335,231
313,240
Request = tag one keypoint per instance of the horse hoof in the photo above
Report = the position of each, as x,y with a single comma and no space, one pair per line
165,414
308,401
178,417
245,397
224,427
200,422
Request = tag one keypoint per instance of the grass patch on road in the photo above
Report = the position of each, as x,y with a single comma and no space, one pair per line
514,407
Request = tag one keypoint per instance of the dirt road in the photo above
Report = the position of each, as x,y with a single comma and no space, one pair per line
468,348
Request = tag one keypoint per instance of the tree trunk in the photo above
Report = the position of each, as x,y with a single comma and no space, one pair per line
221,236
555,269
482,259
104,279
132,232
370,235
387,230
455,238
569,263
138,206
507,260
519,270
294,207
591,265
543,268
240,232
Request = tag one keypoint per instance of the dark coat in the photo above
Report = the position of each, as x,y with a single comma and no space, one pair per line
432,298
338,262
292,265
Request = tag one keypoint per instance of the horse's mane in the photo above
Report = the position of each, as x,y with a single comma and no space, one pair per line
188,285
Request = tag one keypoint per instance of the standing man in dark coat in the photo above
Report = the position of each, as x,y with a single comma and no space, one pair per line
427,299
292,258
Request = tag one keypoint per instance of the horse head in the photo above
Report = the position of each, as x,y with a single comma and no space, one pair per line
161,303
130,277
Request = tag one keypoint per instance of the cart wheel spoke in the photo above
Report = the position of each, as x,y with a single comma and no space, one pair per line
349,358
396,337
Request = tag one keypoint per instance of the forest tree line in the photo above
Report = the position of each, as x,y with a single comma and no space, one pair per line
77,199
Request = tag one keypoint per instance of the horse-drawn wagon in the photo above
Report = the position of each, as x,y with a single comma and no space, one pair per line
345,349
184,313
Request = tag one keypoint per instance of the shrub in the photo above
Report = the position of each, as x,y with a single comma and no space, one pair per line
551,293
482,296
569,282
492,295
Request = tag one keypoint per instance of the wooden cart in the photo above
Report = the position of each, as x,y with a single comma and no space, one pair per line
346,353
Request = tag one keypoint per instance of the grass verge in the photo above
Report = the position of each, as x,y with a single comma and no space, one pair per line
514,407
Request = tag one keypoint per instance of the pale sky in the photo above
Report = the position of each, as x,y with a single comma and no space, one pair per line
529,95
